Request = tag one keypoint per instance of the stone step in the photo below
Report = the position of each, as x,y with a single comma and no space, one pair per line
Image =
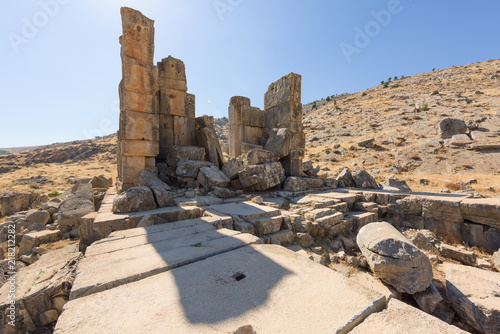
365,206
318,213
267,225
340,195
330,220
283,238
263,287
132,261
359,219
246,210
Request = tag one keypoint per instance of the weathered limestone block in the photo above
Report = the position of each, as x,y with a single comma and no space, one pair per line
37,217
258,157
77,205
134,199
294,183
231,168
15,202
279,142
37,287
394,259
206,137
428,299
184,153
484,211
346,176
262,177
210,177
442,209
473,293
138,35
364,180
455,253
34,239
191,168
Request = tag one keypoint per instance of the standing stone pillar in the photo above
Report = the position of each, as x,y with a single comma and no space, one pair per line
138,134
283,107
238,105
176,107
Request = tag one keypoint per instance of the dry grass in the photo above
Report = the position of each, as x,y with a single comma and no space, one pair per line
454,187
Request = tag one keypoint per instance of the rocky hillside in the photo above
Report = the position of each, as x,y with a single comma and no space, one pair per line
55,167
394,128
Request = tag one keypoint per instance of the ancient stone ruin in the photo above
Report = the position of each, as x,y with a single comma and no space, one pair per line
157,113
277,128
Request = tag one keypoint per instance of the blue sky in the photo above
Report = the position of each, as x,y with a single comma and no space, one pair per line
60,59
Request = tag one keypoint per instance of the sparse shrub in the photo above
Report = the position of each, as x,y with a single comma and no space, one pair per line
386,84
337,107
389,80
314,106
54,194
454,186
395,78
382,82
402,77
433,69
328,99
395,86
363,94
424,106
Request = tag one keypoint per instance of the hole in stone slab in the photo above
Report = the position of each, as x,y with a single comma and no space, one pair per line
239,276
143,139
139,28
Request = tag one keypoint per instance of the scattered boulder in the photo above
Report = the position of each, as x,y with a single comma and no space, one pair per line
210,177
79,203
392,183
177,154
451,126
258,157
366,142
461,255
206,137
161,190
37,217
428,299
34,239
101,182
294,183
135,199
222,192
496,260
394,259
364,180
474,294
346,177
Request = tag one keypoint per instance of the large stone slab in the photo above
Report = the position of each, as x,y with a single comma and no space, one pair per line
402,318
127,260
246,210
267,287
106,221
344,197
475,295
484,211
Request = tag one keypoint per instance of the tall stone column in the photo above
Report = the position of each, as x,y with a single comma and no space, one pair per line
283,107
176,107
238,105
139,122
